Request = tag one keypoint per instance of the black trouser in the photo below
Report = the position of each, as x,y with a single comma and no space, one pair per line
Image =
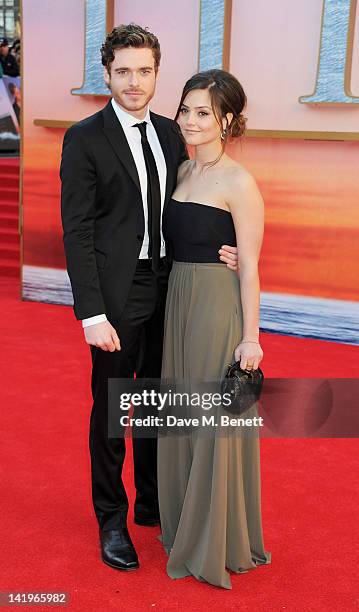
140,330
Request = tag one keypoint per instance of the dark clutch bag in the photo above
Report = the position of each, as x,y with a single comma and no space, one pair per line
243,387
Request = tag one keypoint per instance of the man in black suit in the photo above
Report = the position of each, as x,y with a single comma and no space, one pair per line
118,171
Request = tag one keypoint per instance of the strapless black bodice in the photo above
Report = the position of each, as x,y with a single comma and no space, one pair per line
195,232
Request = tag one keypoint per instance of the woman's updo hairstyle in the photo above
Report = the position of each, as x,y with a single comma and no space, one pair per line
227,96
237,126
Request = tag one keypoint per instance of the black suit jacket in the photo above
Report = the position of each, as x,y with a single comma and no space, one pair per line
102,210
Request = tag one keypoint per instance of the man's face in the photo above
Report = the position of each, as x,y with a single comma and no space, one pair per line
132,79
4,50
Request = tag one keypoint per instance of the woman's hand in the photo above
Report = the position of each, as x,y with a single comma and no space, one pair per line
249,354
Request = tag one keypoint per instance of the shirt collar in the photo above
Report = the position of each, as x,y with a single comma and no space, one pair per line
126,119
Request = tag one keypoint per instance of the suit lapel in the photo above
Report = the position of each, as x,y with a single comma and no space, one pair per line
162,134
116,136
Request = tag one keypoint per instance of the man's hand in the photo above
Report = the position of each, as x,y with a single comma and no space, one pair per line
103,335
229,255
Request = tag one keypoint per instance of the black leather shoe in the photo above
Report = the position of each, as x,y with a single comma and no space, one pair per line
117,549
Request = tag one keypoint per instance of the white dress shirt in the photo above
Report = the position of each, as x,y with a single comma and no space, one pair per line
133,137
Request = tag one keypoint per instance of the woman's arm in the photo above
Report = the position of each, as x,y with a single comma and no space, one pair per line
247,208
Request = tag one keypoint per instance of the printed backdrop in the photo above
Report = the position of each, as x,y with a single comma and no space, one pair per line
9,125
309,263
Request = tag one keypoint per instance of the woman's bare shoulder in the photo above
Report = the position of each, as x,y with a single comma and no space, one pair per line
239,176
242,186
240,179
184,168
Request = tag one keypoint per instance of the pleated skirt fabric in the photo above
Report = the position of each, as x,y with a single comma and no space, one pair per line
209,485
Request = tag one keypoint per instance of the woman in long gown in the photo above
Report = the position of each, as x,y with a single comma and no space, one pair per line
209,485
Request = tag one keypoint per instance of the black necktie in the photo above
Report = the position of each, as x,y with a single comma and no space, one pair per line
153,200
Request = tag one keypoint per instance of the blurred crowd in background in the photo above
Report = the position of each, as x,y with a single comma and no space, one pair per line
9,58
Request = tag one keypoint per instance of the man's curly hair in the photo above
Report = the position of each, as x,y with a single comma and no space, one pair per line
130,35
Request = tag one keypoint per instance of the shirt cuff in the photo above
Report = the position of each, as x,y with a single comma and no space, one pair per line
93,320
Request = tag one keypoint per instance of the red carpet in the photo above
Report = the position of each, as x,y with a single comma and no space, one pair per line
49,539
9,217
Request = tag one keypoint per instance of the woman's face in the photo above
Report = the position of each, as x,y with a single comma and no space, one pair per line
197,120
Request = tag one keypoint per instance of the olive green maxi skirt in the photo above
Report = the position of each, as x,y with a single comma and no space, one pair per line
209,484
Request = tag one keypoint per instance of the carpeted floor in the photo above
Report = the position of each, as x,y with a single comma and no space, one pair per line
9,217
49,538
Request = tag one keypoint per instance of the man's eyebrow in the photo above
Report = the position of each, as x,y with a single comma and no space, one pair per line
127,68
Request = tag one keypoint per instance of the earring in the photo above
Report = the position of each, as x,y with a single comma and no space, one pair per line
223,134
